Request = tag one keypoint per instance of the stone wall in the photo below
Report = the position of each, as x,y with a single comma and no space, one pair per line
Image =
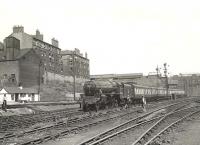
49,76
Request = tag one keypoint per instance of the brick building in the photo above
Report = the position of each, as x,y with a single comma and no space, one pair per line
49,53
29,61
77,63
189,82
22,69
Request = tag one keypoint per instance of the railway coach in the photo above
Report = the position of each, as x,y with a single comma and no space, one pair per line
100,94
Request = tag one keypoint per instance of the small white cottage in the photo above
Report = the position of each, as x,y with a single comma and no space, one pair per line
16,94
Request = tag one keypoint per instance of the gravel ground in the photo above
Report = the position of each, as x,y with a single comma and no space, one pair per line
74,139
187,133
16,111
55,107
84,135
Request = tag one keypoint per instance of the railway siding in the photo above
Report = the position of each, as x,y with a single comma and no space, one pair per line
63,131
134,123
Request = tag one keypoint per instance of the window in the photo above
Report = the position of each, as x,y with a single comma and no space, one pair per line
13,75
12,96
5,76
22,95
12,78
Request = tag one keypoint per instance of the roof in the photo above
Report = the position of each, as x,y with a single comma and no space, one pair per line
46,43
21,53
70,52
18,90
121,76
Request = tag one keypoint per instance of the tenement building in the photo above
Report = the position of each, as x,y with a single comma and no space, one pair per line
78,64
28,60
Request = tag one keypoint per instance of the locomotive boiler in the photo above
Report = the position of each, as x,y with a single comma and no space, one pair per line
100,94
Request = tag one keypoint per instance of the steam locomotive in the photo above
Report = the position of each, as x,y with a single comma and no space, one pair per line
101,94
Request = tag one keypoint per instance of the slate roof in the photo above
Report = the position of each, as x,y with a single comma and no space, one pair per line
21,53
18,90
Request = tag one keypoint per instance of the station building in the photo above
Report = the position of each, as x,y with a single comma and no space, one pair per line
122,77
18,94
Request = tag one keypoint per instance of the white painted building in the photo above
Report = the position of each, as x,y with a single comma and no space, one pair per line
15,94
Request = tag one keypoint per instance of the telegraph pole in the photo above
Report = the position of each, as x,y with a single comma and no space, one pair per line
166,78
40,63
157,73
74,75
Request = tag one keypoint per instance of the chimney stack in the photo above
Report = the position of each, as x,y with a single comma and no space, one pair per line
54,42
38,35
86,55
18,29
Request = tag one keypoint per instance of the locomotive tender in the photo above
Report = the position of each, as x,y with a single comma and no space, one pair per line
100,94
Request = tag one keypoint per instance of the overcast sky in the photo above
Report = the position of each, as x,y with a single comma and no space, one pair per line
120,36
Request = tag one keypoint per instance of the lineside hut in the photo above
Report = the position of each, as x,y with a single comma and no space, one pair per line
16,94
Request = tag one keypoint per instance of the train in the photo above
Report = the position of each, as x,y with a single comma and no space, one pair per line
101,94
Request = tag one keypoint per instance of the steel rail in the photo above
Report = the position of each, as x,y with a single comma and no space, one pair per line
171,125
49,137
73,129
147,132
99,136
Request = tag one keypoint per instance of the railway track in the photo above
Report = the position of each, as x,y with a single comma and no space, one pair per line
60,125
10,123
166,129
69,123
76,129
126,126
155,127
164,123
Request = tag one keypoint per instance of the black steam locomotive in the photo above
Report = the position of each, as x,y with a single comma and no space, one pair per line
101,94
